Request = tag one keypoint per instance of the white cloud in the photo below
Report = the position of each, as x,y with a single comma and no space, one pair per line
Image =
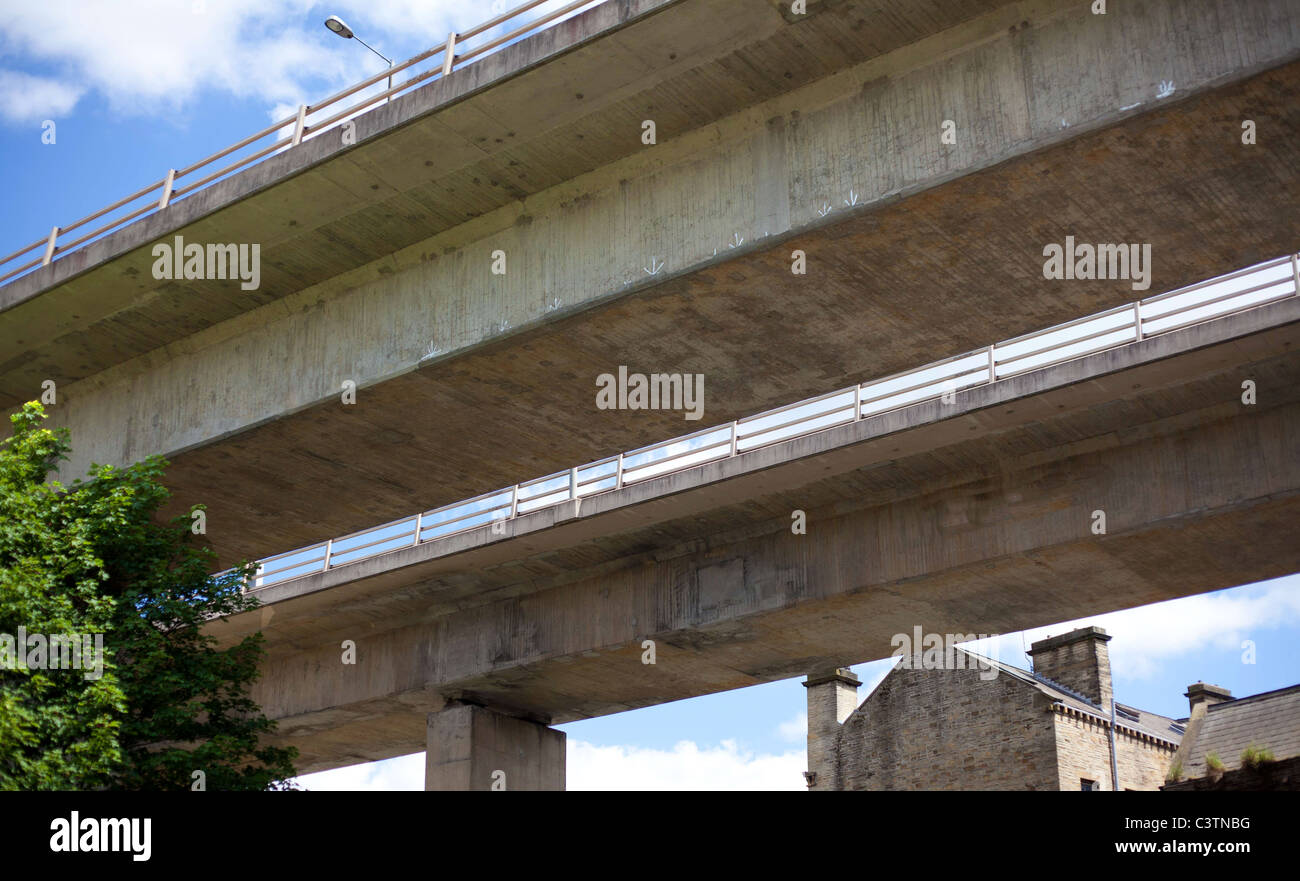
404,773
685,767
27,98
155,56
419,16
794,729
1147,636
153,53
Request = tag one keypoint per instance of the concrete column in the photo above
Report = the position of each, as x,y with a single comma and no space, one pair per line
832,698
473,747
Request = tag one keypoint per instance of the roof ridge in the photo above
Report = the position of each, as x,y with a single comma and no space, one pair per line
1003,664
1041,681
1071,692
1252,697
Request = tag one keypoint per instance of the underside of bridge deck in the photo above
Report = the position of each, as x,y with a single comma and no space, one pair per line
979,518
822,136
942,272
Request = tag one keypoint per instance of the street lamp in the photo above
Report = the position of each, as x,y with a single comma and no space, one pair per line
340,27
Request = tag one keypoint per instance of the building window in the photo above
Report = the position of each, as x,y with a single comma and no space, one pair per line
1087,785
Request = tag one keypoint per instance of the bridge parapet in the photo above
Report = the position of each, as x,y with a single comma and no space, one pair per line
1208,300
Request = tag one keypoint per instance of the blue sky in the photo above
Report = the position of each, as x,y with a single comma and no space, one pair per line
137,88
140,86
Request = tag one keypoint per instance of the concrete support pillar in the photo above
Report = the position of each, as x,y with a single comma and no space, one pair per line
832,698
473,747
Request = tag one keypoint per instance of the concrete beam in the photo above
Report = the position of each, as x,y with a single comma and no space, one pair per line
1093,395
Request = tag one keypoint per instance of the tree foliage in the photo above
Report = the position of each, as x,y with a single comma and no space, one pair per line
93,558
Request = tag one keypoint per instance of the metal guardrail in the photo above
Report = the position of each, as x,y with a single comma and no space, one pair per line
168,191
1123,325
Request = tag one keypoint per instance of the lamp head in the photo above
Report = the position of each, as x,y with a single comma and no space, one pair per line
339,26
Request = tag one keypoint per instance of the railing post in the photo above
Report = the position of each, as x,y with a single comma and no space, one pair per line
735,434
49,247
1137,319
514,502
857,402
419,518
449,54
1295,273
618,474
167,189
573,483
329,549
993,372
299,125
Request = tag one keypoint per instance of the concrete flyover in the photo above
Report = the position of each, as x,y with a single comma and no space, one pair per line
971,515
821,134
920,155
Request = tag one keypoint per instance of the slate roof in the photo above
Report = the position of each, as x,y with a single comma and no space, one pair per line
1150,724
1270,720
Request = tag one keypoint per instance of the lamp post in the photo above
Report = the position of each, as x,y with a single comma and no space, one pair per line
340,27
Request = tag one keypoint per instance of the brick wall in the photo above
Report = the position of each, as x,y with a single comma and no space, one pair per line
949,729
1142,764
1083,752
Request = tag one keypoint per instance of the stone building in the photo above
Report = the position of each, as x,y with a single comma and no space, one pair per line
982,724
1249,743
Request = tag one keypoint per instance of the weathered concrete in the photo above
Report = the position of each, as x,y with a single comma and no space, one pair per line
474,748
384,287
822,135
970,517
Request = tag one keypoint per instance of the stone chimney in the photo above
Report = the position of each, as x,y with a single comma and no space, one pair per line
1078,660
832,698
1202,693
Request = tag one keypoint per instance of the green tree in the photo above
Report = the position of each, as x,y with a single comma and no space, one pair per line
94,558
58,729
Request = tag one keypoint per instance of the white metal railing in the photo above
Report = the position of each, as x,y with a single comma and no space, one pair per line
1227,294
167,190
